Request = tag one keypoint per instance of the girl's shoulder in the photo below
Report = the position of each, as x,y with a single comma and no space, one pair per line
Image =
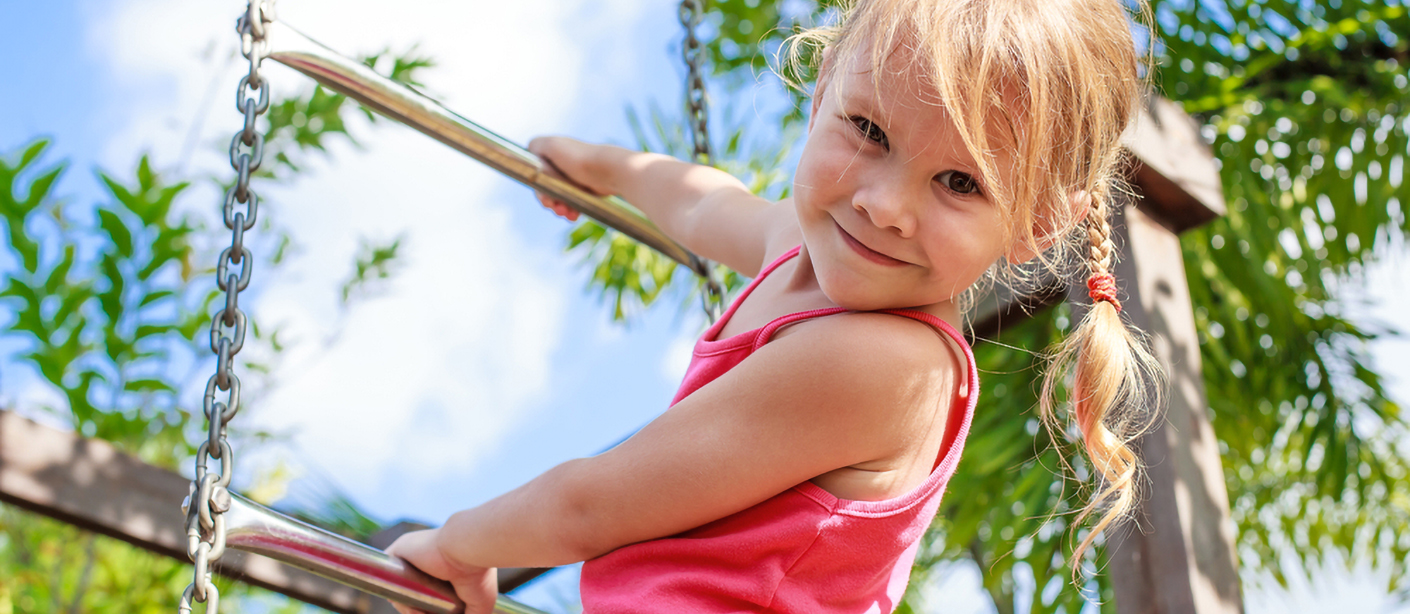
882,385
888,349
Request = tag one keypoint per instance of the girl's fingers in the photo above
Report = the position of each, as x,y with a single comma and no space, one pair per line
479,592
558,207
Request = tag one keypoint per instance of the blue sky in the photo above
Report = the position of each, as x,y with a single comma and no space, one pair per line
484,362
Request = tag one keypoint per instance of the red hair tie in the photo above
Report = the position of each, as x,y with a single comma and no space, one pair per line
1102,287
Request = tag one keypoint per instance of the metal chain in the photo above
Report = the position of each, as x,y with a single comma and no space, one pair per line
697,109
695,101
209,498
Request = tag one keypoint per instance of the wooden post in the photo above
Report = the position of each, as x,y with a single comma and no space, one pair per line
1179,556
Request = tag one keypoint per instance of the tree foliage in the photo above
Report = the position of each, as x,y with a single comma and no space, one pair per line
1304,105
108,301
100,324
112,304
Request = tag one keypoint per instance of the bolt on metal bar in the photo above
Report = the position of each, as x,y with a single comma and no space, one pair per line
405,105
251,527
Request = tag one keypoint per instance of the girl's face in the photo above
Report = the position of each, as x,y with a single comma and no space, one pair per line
892,207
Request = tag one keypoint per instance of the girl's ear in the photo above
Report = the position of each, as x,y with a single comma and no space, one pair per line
1078,207
1081,205
824,79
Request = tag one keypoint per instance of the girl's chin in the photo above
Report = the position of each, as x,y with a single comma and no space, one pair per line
861,293
850,292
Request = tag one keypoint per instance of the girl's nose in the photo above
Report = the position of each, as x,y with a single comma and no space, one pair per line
885,204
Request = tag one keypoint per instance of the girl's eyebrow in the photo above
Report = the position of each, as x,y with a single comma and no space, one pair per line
955,157
960,157
862,98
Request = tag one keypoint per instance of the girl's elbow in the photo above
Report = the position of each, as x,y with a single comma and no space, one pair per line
585,529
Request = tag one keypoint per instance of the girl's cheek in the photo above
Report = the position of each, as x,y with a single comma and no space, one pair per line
836,156
816,174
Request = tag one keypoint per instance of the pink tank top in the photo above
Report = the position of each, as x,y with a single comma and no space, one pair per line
804,550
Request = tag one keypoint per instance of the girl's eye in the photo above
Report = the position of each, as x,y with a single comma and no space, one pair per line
958,182
870,131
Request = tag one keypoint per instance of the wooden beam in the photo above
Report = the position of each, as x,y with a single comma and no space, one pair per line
1179,557
1173,167
90,484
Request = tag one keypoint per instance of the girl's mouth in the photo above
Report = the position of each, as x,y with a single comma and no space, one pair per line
867,252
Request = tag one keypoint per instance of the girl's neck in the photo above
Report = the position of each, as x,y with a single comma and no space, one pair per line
804,280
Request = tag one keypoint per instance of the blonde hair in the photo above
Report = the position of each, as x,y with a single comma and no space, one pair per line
1055,83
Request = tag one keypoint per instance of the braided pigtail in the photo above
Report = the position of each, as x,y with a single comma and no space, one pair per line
1113,386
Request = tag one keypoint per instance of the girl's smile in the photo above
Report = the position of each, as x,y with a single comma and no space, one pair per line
867,252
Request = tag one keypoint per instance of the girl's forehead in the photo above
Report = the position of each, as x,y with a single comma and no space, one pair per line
897,82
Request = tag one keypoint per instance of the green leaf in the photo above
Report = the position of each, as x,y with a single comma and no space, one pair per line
155,296
58,277
151,330
111,299
32,152
40,187
17,211
72,302
27,317
148,385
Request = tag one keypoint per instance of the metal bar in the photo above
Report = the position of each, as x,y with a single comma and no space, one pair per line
405,105
253,528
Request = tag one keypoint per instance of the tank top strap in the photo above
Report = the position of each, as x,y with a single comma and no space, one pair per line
767,332
743,294
778,262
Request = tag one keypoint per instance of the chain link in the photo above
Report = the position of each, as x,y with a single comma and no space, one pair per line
698,117
209,498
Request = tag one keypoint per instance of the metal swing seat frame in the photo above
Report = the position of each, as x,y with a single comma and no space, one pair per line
218,518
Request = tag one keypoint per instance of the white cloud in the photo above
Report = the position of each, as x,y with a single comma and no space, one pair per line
426,378
429,374
676,358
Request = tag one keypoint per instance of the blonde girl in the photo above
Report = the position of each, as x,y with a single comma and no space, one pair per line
821,416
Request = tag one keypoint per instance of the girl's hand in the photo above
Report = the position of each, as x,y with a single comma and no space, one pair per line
568,159
476,586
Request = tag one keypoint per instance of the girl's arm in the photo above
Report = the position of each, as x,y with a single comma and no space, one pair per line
707,210
834,393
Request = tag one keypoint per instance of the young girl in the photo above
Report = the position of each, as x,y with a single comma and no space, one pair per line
808,447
